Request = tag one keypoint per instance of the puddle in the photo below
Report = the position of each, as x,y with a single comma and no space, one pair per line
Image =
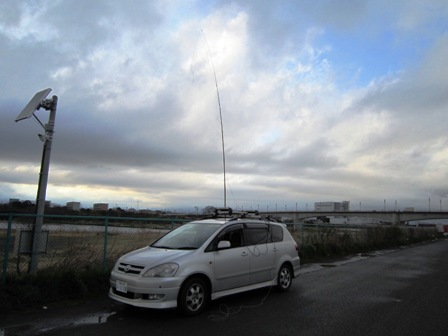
27,329
97,318
309,268
94,319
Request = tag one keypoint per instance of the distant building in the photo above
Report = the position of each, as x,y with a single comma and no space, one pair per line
332,206
13,200
101,206
75,206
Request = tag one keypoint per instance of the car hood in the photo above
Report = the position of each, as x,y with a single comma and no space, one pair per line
151,256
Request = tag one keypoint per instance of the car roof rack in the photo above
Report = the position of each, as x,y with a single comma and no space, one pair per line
248,214
219,213
235,215
254,214
223,212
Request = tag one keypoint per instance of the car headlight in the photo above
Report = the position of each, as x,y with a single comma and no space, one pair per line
162,271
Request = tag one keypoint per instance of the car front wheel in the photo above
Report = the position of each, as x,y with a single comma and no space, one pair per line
193,297
284,279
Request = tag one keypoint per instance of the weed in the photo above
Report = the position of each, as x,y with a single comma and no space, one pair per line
50,286
318,243
73,266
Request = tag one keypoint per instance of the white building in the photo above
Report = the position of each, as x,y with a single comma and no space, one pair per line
75,206
101,206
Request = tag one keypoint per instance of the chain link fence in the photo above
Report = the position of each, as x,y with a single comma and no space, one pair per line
96,242
75,242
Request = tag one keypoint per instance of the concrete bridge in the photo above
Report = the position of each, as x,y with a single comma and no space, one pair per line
394,217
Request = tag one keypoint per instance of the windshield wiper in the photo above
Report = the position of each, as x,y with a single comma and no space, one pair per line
162,247
174,248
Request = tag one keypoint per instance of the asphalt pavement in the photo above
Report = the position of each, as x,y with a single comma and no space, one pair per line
390,292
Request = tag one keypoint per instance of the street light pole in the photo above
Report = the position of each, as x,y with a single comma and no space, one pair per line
37,102
48,104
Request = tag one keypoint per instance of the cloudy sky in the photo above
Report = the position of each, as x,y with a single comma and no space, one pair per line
320,101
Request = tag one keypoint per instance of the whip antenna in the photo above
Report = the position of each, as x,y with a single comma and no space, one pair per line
220,119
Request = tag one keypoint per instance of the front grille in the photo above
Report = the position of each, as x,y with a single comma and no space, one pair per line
138,296
130,269
128,295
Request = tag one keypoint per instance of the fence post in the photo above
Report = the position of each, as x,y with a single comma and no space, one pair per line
303,230
106,225
7,245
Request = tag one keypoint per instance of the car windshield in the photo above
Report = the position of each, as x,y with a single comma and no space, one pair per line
189,236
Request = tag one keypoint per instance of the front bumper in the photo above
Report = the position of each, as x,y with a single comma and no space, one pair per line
159,293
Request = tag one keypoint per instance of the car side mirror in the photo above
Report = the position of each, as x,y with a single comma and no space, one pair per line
223,244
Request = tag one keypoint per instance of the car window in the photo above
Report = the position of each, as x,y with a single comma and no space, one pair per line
257,234
276,233
233,234
188,236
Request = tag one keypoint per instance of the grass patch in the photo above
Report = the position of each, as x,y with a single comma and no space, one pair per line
72,269
330,242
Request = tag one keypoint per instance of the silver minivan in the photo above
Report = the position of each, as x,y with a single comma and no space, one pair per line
204,260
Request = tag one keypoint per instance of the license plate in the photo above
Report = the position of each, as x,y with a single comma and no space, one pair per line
122,286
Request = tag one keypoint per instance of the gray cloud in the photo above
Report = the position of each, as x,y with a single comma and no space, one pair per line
138,118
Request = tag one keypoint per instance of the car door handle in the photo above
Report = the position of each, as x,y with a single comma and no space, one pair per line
244,254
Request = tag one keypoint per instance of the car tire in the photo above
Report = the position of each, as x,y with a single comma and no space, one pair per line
284,278
193,297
